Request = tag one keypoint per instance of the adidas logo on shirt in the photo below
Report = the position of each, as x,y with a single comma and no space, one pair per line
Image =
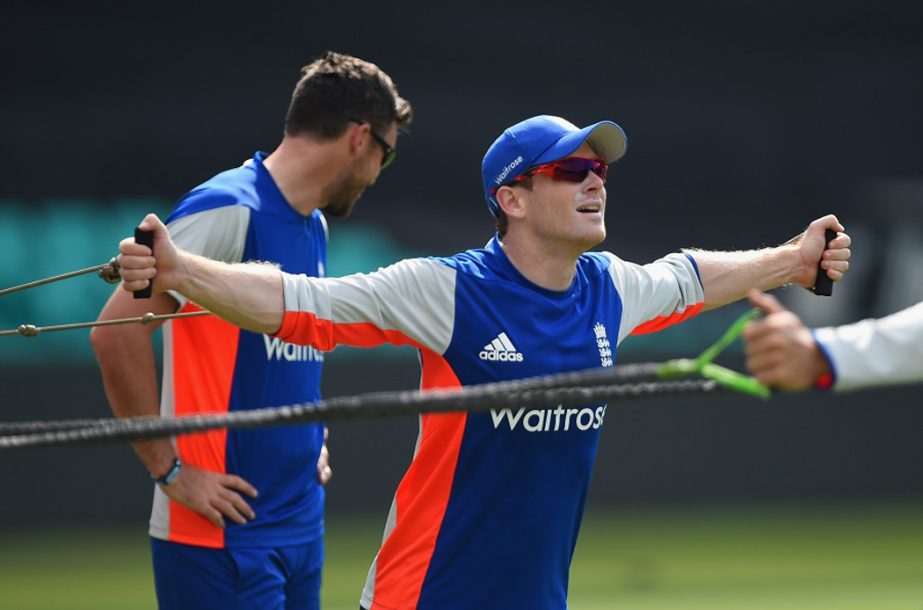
500,349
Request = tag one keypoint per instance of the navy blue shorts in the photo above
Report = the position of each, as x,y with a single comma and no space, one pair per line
274,578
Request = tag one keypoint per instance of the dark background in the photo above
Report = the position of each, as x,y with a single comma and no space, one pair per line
745,121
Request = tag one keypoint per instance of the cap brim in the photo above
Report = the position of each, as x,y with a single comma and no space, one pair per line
606,138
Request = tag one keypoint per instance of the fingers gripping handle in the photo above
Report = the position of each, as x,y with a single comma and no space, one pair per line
145,238
823,285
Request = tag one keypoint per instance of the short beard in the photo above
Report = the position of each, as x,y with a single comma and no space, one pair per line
342,195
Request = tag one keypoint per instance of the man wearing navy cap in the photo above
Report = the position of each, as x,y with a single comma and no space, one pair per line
488,512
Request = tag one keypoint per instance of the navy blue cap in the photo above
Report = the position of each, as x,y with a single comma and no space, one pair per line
543,139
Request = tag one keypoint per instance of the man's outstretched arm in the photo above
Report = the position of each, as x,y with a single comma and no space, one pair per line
248,295
728,276
362,310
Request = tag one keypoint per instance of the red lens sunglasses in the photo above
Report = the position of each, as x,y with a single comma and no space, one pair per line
571,169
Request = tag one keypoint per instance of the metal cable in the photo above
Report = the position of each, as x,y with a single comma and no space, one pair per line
107,271
536,392
30,330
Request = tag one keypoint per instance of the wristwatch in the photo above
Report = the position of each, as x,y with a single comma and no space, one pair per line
170,475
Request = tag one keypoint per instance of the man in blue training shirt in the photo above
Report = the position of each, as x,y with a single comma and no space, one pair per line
216,542
488,512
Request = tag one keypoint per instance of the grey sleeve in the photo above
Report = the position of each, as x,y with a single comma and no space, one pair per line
219,234
411,300
656,295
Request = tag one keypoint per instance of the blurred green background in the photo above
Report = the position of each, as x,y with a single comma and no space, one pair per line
844,556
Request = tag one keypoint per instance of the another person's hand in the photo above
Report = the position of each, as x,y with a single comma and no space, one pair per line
324,472
212,494
781,351
813,249
138,267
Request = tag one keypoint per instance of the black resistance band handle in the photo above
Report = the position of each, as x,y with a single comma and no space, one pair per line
823,285
146,238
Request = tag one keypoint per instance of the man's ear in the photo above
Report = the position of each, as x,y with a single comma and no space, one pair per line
356,136
512,201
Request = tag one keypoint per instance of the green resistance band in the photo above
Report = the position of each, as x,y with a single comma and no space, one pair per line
703,365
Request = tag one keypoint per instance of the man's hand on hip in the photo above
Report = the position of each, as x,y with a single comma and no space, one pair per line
212,494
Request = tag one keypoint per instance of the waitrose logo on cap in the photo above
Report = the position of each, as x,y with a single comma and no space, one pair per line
506,170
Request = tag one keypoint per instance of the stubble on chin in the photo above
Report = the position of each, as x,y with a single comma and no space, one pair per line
342,196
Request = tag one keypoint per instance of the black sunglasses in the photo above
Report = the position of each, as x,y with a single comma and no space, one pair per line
389,152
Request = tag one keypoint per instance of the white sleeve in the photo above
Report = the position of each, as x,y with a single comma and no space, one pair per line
878,352
410,302
219,234
656,295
